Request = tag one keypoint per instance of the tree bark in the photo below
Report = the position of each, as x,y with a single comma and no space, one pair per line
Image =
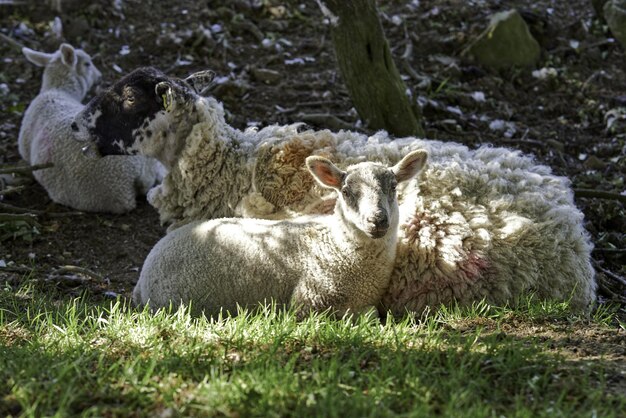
364,58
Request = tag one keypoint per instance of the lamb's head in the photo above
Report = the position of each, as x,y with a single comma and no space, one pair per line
138,113
367,191
68,68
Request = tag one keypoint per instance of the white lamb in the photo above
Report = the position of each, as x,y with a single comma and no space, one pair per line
109,184
341,261
481,224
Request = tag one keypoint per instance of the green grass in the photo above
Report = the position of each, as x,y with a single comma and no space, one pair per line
63,356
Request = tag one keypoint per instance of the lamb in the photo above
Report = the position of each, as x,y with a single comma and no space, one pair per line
109,184
487,223
314,263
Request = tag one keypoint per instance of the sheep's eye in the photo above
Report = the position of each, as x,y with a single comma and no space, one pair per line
345,192
87,64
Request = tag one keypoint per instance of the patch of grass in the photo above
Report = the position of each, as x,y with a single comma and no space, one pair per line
64,357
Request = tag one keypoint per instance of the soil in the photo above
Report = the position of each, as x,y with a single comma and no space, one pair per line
275,64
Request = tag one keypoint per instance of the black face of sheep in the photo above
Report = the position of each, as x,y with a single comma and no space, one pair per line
113,120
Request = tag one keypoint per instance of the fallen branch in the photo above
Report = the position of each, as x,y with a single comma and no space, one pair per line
600,194
10,40
16,217
605,288
79,270
24,169
609,273
610,250
17,269
15,209
325,119
12,190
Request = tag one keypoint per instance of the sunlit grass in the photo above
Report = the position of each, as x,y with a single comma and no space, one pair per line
64,357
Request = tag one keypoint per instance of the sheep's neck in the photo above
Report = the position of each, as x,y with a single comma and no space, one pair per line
213,167
68,83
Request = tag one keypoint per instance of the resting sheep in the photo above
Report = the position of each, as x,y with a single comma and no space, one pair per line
485,224
109,184
340,262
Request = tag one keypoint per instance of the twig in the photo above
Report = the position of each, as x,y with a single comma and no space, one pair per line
12,190
29,218
16,269
15,209
609,273
80,270
610,250
325,119
23,169
10,40
600,194
249,27
533,142
605,288
295,107
54,215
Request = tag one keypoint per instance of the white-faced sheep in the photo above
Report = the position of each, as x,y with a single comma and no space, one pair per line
485,224
109,184
340,262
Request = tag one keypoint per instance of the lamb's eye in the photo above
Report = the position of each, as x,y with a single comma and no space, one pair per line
87,64
345,192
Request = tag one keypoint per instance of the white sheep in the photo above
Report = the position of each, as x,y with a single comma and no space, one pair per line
340,262
485,224
109,184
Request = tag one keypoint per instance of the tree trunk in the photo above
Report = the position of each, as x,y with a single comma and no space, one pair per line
373,81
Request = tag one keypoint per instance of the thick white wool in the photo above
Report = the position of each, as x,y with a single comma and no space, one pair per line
109,184
487,223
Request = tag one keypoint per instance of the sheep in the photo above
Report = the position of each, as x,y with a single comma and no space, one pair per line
340,262
109,184
488,223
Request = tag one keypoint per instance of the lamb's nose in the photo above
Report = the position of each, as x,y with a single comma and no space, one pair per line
74,126
379,220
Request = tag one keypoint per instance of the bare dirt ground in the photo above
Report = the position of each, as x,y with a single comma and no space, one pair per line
276,65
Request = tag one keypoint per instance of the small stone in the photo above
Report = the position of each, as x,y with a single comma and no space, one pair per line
266,76
507,42
594,163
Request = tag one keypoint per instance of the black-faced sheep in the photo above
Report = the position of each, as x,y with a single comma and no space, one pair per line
340,262
109,184
485,224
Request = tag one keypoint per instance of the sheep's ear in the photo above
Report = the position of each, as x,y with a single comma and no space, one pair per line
201,80
325,172
164,94
40,59
410,165
68,55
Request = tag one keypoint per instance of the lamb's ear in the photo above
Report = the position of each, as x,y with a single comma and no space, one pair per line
164,94
201,80
410,165
325,172
68,54
40,59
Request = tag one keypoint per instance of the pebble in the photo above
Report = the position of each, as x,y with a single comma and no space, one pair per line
266,76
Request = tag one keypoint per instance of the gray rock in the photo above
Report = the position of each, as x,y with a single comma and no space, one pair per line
266,76
615,15
507,42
